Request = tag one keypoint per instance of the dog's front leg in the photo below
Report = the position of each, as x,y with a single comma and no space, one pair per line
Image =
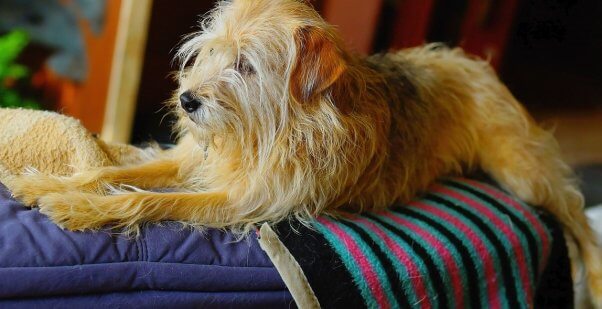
81,211
152,174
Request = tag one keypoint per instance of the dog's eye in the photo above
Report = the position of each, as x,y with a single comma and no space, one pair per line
211,50
244,67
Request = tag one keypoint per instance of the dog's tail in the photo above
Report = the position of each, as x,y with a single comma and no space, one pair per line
525,159
530,167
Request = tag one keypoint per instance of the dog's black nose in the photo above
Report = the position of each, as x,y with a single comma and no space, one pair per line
189,102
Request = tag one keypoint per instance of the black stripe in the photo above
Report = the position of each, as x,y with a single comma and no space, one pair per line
325,271
505,260
555,286
520,223
392,275
432,270
467,260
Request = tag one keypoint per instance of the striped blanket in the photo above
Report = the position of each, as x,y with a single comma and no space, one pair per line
464,244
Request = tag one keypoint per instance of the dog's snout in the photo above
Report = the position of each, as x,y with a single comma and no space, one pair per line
189,103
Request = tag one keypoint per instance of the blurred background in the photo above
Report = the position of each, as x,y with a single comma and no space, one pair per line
107,62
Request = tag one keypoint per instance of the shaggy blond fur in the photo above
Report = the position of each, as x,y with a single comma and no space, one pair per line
292,123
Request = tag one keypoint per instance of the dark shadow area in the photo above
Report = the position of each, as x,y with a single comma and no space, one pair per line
169,24
554,55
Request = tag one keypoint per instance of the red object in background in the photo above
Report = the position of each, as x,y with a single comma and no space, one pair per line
356,19
55,89
86,100
486,28
412,23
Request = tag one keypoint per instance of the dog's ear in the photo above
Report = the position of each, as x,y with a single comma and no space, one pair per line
319,64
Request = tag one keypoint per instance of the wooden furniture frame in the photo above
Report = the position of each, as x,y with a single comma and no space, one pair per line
126,70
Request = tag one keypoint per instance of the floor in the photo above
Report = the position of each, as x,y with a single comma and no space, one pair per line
579,133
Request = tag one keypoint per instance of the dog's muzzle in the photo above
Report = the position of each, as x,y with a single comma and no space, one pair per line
189,103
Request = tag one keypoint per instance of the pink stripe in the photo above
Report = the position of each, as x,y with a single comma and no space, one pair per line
452,268
414,272
520,255
481,248
545,239
365,266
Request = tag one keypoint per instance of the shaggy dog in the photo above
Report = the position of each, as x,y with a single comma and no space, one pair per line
278,119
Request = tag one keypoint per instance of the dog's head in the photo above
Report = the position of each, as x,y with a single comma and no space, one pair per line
255,67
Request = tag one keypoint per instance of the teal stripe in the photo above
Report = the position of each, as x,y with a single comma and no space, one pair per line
517,213
448,245
529,209
430,290
500,236
473,253
350,263
438,259
522,238
375,262
402,272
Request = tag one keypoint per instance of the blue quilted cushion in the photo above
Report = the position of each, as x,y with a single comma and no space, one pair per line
43,265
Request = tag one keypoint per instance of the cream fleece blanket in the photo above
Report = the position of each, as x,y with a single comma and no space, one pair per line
54,144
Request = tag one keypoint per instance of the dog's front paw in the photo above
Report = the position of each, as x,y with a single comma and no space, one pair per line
29,188
75,211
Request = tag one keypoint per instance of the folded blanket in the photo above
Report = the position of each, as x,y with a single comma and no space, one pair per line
54,144
464,244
